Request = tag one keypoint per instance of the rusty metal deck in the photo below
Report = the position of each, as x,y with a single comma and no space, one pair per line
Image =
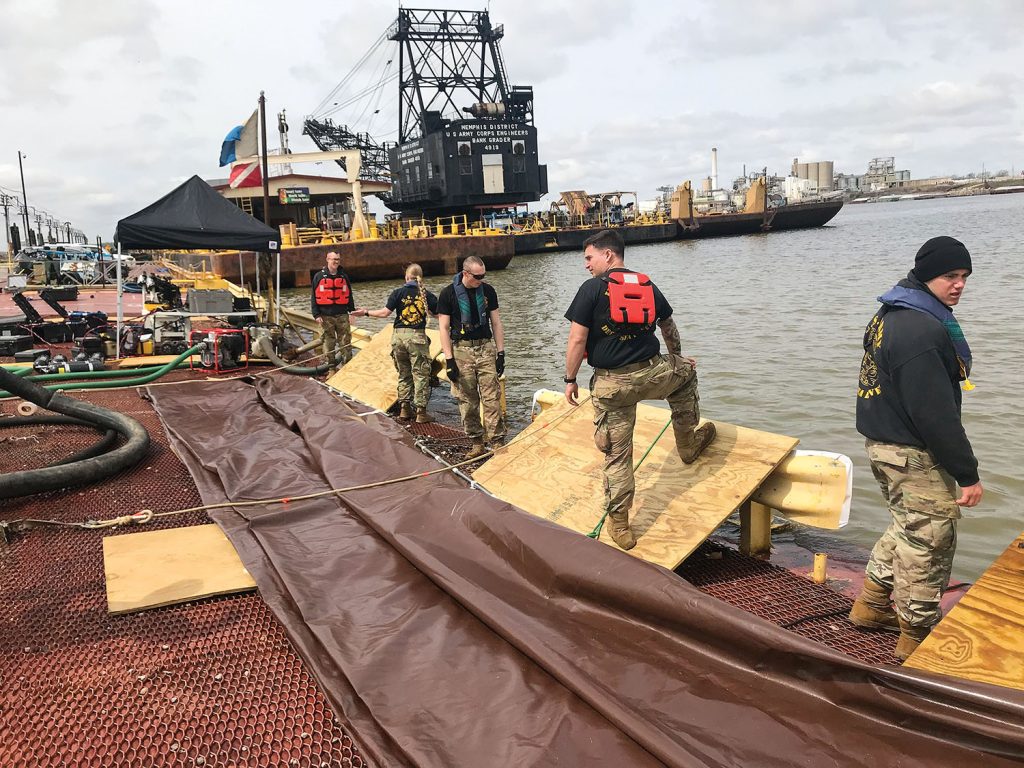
216,682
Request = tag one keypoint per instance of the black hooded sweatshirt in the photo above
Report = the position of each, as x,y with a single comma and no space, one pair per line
909,388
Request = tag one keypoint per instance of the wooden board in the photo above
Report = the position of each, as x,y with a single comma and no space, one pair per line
155,568
370,376
553,470
982,638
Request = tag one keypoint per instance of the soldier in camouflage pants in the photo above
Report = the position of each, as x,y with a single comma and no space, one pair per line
337,334
410,349
478,385
615,397
914,556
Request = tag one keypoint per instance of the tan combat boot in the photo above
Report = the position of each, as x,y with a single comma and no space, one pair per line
405,411
619,530
476,450
703,437
422,417
910,637
873,610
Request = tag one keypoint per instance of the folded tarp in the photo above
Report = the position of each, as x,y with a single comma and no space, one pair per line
449,628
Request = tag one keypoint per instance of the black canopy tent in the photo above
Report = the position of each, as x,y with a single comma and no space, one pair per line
191,216
195,216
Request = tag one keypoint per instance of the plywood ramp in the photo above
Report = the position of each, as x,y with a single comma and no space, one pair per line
370,376
553,470
982,638
155,568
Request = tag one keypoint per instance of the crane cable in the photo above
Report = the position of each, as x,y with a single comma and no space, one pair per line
344,81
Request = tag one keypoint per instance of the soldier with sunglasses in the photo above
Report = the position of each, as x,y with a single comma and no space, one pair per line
473,341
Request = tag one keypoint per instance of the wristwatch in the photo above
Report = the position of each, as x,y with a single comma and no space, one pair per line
567,380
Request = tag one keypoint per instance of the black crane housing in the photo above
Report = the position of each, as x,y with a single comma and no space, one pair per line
466,138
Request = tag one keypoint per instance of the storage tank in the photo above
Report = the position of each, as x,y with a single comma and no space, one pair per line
825,175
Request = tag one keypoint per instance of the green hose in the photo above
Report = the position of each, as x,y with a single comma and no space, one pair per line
135,382
600,523
24,370
108,374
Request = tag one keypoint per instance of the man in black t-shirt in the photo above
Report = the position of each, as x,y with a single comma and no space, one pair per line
613,318
473,341
410,347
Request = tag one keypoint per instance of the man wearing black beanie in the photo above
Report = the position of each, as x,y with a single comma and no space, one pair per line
908,408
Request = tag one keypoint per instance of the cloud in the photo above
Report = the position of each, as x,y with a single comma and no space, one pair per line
626,96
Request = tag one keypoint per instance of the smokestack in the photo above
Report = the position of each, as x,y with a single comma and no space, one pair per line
714,167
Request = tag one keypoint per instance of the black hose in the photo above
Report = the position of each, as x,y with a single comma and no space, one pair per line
267,349
13,484
103,445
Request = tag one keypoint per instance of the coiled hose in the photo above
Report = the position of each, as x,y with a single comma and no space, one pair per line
88,470
101,446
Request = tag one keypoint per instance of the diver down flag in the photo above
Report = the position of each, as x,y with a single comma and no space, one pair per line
240,142
245,175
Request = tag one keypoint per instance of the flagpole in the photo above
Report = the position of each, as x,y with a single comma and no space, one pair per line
266,199
263,153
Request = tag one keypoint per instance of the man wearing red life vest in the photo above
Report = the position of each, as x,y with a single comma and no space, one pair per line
612,324
332,302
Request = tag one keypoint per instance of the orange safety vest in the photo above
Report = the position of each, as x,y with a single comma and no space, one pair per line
630,298
332,291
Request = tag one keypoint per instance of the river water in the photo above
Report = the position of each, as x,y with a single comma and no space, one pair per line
775,322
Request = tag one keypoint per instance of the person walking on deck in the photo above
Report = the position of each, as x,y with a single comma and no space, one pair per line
613,318
908,408
410,347
473,340
332,302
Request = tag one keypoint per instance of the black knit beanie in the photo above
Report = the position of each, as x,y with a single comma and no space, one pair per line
939,256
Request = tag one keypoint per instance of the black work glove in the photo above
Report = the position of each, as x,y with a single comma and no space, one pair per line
453,370
499,364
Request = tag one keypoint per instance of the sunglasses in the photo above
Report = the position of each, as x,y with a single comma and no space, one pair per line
478,277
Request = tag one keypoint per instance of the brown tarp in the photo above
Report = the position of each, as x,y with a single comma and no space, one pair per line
449,628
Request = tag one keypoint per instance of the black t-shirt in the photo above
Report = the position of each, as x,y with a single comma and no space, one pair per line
608,346
447,304
410,308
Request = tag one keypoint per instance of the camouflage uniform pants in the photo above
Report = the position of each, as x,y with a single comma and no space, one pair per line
914,557
478,389
616,393
337,334
410,350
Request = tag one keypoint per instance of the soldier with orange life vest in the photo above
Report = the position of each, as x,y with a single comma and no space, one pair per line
332,304
613,318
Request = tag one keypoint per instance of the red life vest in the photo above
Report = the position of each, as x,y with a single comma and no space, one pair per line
630,298
333,290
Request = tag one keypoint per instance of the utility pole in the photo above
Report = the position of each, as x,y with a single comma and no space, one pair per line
24,197
6,201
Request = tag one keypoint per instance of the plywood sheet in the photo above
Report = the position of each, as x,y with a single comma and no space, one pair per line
154,568
982,638
370,376
553,470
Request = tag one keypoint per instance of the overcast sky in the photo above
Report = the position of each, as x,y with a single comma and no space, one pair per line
116,102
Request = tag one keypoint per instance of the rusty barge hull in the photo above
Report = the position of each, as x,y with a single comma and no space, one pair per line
789,217
573,239
362,260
